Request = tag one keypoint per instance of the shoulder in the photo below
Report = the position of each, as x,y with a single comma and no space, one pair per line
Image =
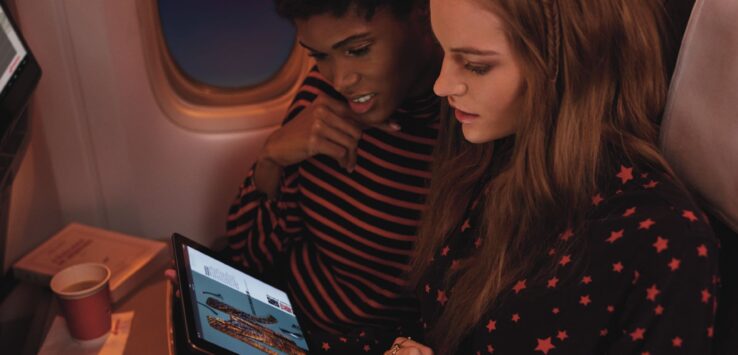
649,211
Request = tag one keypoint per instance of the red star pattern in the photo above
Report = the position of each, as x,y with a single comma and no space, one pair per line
544,345
637,334
674,264
478,242
566,235
585,300
597,199
652,292
617,267
689,215
658,310
676,342
454,264
561,335
646,224
466,225
565,260
326,346
661,244
367,348
705,296
491,325
615,235
702,250
441,297
656,232
625,174
519,286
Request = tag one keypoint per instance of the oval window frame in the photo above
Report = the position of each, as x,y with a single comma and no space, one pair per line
205,108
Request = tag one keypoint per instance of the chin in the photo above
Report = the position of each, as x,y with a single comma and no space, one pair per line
475,136
375,116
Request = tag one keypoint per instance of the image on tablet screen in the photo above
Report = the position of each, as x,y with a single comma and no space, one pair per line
240,313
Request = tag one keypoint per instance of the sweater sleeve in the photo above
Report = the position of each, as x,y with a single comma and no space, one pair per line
260,230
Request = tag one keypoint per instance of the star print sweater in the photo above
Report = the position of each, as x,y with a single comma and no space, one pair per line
646,284
340,242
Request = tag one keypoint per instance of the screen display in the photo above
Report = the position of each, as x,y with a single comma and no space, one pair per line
12,51
238,312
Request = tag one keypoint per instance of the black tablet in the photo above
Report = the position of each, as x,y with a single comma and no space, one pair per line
229,311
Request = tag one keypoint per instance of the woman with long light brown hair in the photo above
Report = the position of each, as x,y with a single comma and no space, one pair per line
554,225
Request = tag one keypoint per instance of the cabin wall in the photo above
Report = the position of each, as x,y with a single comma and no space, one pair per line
102,151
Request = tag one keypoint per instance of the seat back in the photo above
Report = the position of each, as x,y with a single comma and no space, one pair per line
699,137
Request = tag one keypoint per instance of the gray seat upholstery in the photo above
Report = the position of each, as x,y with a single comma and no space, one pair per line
699,137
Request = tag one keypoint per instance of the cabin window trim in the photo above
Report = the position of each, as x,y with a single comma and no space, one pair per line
207,108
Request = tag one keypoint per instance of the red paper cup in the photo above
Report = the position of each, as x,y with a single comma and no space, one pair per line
84,297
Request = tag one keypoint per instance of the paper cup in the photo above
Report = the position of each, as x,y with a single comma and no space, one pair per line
84,298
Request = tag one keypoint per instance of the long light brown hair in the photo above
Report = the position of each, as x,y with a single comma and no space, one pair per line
593,85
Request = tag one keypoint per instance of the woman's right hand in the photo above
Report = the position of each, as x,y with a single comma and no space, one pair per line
327,126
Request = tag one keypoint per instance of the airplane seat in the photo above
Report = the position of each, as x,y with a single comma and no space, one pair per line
699,137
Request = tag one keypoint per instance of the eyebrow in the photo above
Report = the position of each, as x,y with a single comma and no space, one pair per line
342,42
473,51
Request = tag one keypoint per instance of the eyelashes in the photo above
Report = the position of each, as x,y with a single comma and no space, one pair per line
478,69
358,52
353,52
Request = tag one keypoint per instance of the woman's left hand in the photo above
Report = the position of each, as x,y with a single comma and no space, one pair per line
407,346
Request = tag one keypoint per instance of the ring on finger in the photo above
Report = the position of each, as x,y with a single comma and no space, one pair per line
395,348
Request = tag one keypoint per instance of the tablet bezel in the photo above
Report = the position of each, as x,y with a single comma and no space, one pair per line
178,243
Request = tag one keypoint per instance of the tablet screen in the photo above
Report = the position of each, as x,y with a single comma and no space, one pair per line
237,312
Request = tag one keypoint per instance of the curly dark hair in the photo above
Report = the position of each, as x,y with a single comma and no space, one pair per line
302,9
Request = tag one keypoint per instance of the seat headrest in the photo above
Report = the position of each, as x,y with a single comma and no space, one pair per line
699,133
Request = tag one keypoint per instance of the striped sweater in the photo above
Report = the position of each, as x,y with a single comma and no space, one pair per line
344,239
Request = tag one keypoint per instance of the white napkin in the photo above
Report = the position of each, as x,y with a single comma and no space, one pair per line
58,340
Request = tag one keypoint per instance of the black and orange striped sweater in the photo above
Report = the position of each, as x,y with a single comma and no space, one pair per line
342,241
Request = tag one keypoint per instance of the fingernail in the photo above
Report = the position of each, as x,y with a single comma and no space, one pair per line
395,126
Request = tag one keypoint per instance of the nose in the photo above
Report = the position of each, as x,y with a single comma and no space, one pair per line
344,77
447,83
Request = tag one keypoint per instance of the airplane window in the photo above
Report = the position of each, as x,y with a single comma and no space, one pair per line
228,44
220,66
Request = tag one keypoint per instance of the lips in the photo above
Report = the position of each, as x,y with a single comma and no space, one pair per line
463,116
363,103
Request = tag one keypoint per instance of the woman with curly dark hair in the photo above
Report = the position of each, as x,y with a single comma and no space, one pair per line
331,207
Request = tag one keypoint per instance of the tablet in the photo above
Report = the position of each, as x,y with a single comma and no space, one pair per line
229,311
